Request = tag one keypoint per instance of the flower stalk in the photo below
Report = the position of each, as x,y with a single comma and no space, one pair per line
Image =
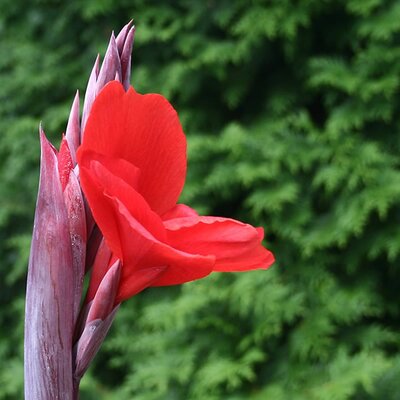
107,203
60,342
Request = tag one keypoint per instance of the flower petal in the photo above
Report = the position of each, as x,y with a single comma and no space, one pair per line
138,280
179,211
144,130
142,252
117,166
103,184
236,246
136,235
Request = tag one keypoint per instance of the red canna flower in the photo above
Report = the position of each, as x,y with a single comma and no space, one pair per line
132,168
126,225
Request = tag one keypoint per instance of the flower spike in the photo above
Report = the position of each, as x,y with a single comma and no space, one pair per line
107,204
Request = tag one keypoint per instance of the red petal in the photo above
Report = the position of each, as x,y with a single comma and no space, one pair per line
260,233
100,184
179,211
102,211
117,166
143,252
138,280
104,185
100,187
144,130
135,234
236,246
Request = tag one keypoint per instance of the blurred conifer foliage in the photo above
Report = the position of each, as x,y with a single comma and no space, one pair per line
292,109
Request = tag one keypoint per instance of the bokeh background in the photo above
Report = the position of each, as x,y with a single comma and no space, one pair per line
292,112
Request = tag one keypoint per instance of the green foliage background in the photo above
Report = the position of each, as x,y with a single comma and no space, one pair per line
292,110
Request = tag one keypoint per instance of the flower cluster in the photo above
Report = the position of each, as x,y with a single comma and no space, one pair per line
107,203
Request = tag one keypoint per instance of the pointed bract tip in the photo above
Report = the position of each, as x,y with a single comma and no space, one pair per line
121,37
90,342
44,142
42,136
112,38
